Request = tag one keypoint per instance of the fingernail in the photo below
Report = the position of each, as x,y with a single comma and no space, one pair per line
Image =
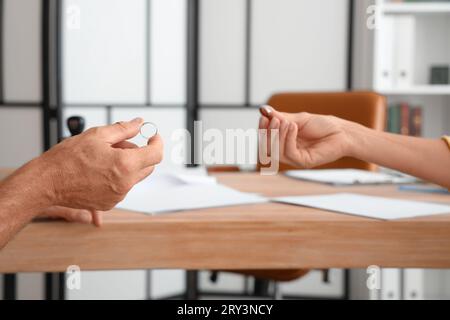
137,120
266,110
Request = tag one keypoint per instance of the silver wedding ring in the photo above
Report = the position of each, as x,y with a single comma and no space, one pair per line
148,130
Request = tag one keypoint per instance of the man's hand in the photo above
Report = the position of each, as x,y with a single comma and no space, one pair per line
91,171
72,215
96,169
307,140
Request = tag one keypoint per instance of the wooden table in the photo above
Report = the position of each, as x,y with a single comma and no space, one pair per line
263,236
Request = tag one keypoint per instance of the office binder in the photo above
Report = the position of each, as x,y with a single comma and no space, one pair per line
404,50
385,76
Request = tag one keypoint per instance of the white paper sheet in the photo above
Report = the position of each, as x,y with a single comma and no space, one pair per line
186,197
368,206
348,176
168,191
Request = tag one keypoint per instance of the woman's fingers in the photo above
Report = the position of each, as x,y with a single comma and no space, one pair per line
270,113
263,123
284,128
291,153
262,140
272,132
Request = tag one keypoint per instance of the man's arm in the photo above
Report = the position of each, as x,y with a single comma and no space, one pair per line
93,171
22,196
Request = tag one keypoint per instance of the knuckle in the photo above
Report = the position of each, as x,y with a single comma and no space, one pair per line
120,189
123,164
121,125
124,187
93,131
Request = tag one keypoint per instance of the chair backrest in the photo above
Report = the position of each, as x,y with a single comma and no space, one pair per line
366,108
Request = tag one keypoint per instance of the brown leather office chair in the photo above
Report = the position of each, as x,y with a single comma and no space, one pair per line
366,108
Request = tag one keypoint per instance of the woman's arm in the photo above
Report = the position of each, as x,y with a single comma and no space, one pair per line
308,140
424,158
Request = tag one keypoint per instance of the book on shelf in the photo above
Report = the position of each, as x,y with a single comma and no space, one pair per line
404,119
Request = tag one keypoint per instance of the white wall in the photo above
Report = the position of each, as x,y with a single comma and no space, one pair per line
222,51
21,50
107,49
298,45
20,135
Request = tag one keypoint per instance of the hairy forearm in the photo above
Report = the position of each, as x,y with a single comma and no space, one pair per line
424,158
22,195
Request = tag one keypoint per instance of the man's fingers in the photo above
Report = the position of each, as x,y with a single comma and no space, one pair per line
80,216
96,218
125,145
149,155
68,214
122,130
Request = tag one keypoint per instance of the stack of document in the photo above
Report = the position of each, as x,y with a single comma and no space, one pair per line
349,176
183,189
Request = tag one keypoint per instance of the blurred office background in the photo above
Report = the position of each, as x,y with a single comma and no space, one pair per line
176,61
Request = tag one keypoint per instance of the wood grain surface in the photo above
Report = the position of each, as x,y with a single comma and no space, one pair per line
263,236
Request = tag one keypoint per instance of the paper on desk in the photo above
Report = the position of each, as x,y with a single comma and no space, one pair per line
165,178
187,197
368,206
348,176
166,192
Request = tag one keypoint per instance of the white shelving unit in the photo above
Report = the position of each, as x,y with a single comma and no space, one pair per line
409,39
418,90
430,45
416,8
375,53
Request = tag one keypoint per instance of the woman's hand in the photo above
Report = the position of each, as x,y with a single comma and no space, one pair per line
307,140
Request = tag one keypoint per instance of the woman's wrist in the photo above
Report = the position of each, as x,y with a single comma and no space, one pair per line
357,139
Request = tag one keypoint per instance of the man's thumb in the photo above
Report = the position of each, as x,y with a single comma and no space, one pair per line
123,130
